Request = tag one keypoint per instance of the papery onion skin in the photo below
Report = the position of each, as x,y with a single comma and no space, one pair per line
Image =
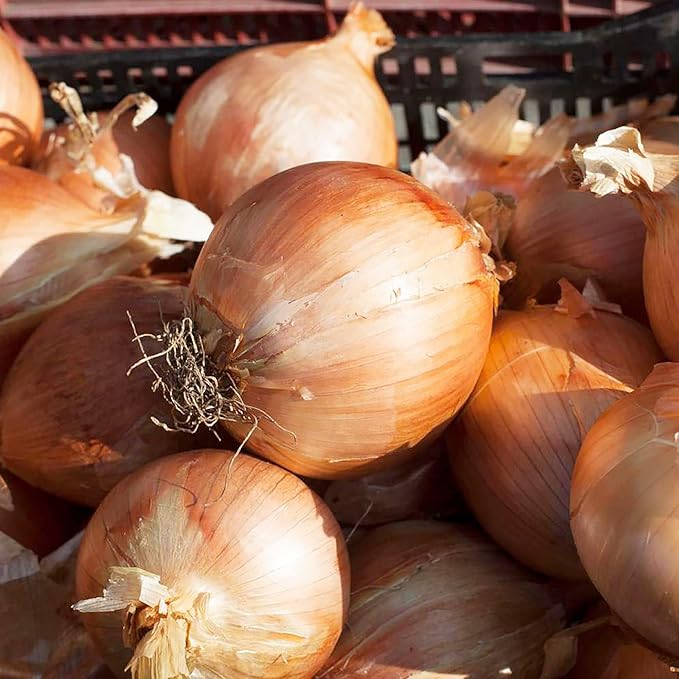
548,376
557,232
623,503
71,421
21,110
440,600
273,107
263,546
364,305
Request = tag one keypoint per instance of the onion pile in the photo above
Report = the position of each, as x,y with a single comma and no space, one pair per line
618,163
21,112
71,421
211,564
440,600
623,505
344,311
273,107
549,374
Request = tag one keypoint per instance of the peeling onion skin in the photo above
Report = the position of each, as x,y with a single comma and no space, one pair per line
365,305
441,601
21,110
558,232
264,546
547,378
623,507
71,421
270,108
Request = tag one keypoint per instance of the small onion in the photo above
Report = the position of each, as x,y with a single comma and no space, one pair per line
548,376
271,108
345,311
623,508
557,232
71,421
21,112
244,571
439,600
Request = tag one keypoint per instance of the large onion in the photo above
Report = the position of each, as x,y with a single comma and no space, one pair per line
618,163
557,232
71,421
244,571
662,135
274,107
21,112
439,600
623,508
345,310
548,376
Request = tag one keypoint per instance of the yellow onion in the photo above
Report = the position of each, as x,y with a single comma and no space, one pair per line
273,107
623,504
344,311
213,564
661,135
439,600
619,163
557,232
74,655
21,112
420,488
71,421
547,378
36,521
53,246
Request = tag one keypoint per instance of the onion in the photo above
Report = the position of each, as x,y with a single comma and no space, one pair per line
662,135
439,600
618,163
270,108
21,112
345,312
36,521
623,504
71,421
548,376
558,233
213,565
53,246
418,489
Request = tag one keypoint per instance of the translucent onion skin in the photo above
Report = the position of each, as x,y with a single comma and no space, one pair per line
547,378
558,232
271,108
439,600
623,504
21,111
71,421
252,536
357,306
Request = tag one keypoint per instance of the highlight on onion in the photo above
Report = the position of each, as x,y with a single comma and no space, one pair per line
213,564
619,163
440,600
71,421
21,111
270,108
623,504
560,233
550,372
343,310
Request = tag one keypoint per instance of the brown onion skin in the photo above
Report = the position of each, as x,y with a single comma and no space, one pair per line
236,538
21,111
357,286
440,600
558,232
547,378
270,108
623,501
71,421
